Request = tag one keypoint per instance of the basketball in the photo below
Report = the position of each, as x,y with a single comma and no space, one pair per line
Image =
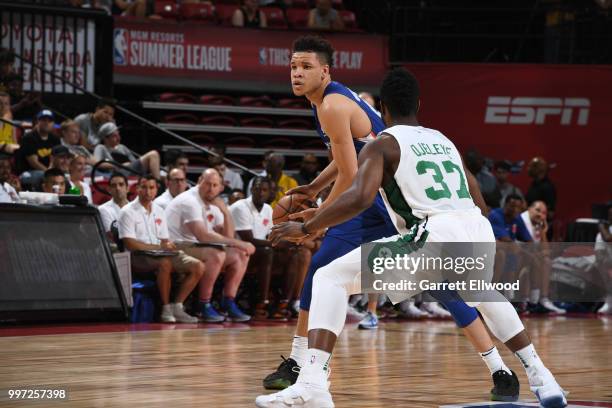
290,204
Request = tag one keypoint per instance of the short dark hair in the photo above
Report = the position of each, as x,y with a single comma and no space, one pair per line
399,92
173,155
512,196
53,172
260,179
146,177
316,44
102,103
503,164
117,174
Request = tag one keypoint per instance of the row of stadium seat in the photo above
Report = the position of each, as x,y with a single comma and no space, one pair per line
253,101
222,14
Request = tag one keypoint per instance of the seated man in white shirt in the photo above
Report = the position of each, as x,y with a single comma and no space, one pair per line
176,183
7,192
143,227
603,256
253,221
196,216
109,211
538,279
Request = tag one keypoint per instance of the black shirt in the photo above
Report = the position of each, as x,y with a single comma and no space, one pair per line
542,190
32,143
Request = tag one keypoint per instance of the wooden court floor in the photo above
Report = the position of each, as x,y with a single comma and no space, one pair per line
403,364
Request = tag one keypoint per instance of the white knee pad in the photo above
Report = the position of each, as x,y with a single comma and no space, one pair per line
502,319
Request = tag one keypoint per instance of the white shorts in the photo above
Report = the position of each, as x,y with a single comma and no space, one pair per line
464,226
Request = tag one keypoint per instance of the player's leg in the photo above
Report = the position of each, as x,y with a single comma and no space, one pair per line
213,259
332,286
234,268
370,320
286,374
505,324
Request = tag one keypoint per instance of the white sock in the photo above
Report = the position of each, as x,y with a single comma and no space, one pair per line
299,350
167,308
534,296
529,357
494,361
314,371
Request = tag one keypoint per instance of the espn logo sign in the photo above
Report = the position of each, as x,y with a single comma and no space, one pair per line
524,110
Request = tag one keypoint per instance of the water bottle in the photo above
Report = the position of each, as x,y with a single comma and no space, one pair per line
74,190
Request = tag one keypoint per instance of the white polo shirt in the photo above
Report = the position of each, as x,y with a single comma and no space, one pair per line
232,179
164,199
536,235
109,212
184,208
247,217
137,223
8,193
214,217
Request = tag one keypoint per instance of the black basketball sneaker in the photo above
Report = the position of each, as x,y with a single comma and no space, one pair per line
506,386
285,375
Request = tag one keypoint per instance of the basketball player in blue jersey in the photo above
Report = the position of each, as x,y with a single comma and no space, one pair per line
437,206
346,124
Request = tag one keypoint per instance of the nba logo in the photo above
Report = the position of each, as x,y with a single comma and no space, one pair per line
263,57
120,46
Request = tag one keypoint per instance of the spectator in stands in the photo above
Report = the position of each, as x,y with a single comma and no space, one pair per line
110,210
8,133
249,15
309,168
91,123
176,183
61,158
177,159
71,138
603,257
133,8
538,280
486,181
253,222
502,171
324,17
77,177
235,196
199,216
231,179
111,149
143,227
274,169
12,83
7,192
541,188
54,181
36,148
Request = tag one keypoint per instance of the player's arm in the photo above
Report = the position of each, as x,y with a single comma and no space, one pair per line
335,117
247,236
475,191
199,230
350,203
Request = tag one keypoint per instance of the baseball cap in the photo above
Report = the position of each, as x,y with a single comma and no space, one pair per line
107,129
45,113
60,150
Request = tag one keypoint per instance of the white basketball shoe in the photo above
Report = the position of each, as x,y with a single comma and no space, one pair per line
303,395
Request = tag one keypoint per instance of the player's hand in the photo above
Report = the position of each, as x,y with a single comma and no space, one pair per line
289,231
247,247
306,190
305,215
218,201
168,246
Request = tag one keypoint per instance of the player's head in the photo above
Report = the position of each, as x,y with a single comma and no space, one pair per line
311,60
399,96
538,212
513,206
210,184
260,191
147,189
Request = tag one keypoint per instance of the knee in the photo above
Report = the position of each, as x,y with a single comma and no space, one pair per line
198,269
165,265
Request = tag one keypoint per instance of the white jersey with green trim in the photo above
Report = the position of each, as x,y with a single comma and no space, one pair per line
429,179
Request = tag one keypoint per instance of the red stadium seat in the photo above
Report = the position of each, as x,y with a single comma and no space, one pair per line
217,100
257,121
198,11
279,142
166,9
296,123
350,22
293,103
257,101
275,17
312,144
224,13
205,140
300,4
239,141
337,4
298,18
219,120
176,97
188,118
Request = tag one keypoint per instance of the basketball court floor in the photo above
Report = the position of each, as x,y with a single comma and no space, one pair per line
402,364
